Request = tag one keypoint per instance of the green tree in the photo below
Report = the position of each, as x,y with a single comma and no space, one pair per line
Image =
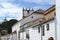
8,25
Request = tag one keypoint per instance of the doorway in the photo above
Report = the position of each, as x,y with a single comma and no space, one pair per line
51,38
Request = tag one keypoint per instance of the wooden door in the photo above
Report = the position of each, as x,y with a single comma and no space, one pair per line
51,38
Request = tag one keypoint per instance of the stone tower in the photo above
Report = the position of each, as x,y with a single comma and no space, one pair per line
27,12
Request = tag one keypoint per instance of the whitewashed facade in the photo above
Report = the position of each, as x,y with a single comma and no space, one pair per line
51,31
15,31
31,26
37,33
27,29
50,28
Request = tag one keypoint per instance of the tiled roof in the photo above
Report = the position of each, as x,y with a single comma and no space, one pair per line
49,10
40,11
47,17
50,16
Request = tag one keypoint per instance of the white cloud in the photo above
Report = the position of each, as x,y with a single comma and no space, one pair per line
10,11
7,5
34,1
6,0
41,1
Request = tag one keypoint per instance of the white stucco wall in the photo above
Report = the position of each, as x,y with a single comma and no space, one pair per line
34,35
16,27
26,13
23,36
31,12
14,36
58,18
50,32
28,19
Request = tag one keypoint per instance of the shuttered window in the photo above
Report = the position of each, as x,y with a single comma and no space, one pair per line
54,14
38,29
47,27
43,30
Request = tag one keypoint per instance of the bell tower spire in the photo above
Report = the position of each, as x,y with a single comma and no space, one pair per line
5,19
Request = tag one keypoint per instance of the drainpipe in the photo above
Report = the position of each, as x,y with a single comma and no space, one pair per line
19,35
55,27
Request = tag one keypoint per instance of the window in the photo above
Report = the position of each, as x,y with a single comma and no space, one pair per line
28,11
54,14
27,35
32,17
43,30
47,27
38,29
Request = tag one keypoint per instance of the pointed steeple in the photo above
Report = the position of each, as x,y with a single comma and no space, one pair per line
5,19
29,9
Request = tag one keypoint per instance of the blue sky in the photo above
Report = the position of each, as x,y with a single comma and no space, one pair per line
12,9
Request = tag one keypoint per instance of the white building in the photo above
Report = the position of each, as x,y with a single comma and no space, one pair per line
39,27
49,26
36,25
26,30
15,31
16,27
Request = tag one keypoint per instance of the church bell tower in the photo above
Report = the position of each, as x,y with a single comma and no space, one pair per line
27,12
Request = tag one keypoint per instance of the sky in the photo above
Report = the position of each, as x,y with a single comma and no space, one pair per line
12,9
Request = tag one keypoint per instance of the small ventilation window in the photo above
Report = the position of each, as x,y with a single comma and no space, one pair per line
32,17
